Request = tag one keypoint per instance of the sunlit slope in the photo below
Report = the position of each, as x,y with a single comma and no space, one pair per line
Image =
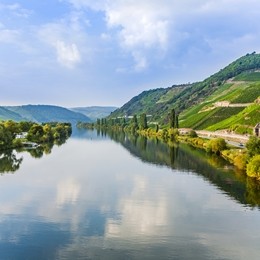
234,105
195,103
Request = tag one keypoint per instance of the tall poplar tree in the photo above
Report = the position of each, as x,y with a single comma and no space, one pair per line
172,118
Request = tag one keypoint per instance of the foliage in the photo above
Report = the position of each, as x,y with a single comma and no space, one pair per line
216,145
172,118
6,137
253,167
248,76
192,134
253,146
143,122
38,133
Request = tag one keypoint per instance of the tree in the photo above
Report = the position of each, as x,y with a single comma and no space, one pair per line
6,137
35,133
143,122
216,145
253,146
172,118
13,127
134,124
253,167
177,121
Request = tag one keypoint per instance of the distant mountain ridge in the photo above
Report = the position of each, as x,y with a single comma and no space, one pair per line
41,114
95,112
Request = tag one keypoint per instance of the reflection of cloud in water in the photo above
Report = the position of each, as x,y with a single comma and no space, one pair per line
140,215
68,191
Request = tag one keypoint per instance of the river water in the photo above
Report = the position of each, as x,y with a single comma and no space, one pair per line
111,196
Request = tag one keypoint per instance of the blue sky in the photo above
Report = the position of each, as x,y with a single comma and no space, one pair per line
104,52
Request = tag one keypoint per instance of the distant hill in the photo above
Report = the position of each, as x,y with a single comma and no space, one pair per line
197,103
41,113
6,114
94,112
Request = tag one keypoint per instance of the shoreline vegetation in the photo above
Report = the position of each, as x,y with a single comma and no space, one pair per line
14,135
246,158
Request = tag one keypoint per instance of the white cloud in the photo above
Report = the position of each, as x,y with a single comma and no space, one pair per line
16,9
8,36
67,38
67,54
152,26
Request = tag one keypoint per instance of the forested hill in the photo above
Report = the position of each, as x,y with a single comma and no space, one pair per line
41,113
158,102
94,112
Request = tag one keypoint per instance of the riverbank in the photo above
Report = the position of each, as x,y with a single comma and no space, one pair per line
245,157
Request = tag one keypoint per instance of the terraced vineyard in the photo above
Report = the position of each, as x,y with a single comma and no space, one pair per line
233,106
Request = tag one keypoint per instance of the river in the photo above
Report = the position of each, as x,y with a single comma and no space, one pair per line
112,196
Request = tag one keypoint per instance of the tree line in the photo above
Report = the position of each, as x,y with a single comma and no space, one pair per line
31,132
132,123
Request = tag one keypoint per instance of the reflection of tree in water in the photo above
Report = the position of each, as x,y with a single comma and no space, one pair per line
9,162
181,156
41,150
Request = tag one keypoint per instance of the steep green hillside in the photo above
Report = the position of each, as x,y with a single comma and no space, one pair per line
198,103
94,112
242,122
156,103
43,113
234,103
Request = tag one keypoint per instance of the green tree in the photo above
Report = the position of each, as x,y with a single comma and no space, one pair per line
13,127
253,167
35,133
48,133
6,137
177,121
172,118
134,124
253,146
216,145
143,122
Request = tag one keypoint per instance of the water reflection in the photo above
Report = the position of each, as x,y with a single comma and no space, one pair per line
90,199
184,157
9,162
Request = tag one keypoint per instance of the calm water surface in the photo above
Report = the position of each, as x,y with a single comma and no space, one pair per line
126,198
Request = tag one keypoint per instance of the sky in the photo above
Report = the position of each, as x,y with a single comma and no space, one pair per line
104,52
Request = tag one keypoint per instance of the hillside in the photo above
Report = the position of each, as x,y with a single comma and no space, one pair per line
235,106
156,103
94,112
6,114
41,113
199,104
